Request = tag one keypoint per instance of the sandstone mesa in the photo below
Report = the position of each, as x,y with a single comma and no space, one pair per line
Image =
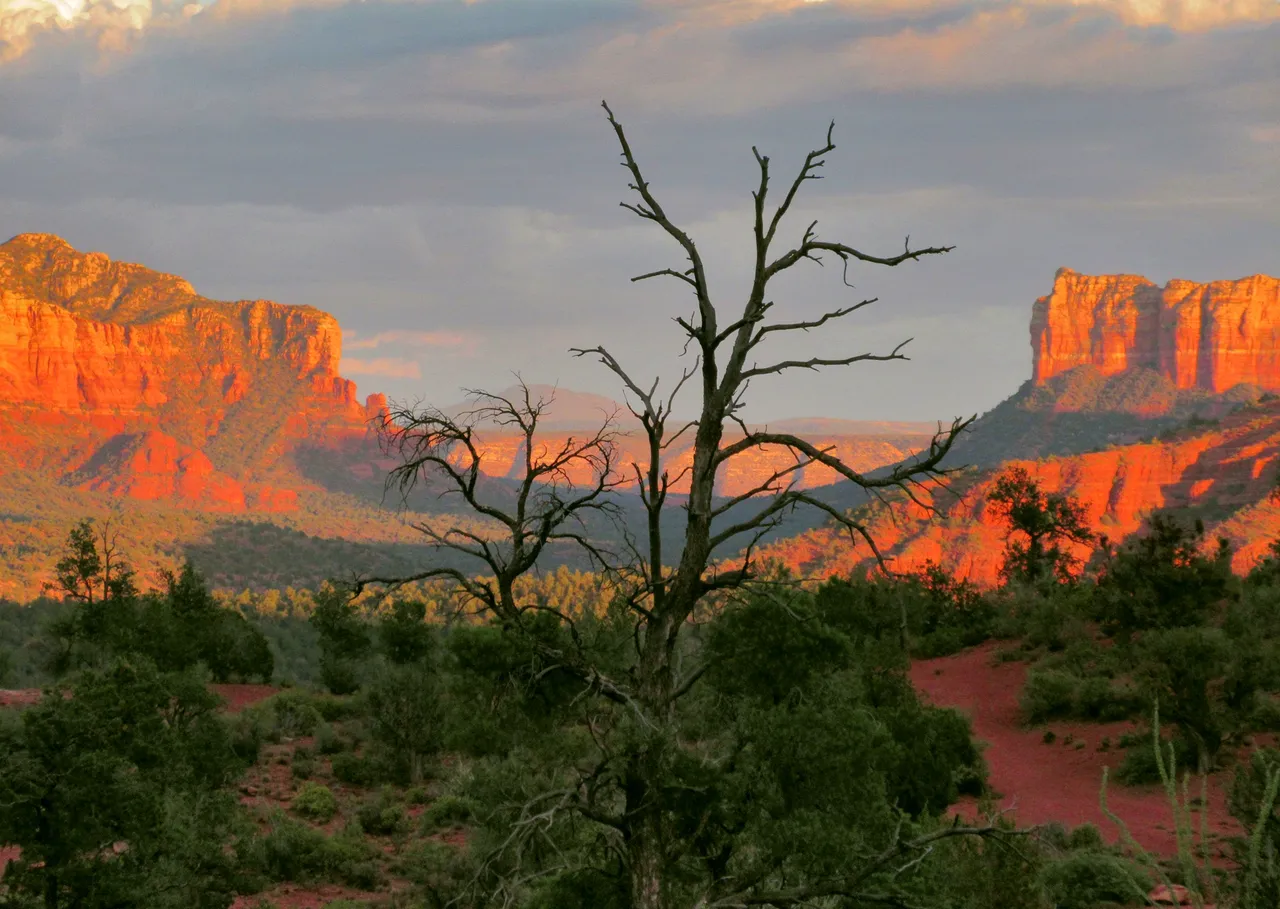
1218,339
1204,336
112,356
125,382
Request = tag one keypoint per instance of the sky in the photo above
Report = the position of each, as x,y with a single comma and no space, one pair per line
439,175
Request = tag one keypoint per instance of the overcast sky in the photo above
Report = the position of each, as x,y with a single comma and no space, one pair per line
439,174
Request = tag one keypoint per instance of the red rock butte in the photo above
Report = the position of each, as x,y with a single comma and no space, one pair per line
79,331
125,380
1200,336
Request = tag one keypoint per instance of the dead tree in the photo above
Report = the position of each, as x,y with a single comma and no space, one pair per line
544,509
661,597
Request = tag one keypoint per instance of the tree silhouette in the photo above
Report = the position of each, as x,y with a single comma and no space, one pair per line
634,792
1047,524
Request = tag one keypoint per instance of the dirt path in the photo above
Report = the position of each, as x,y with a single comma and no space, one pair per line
1043,782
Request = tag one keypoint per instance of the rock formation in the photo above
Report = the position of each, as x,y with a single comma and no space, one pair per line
141,387
80,332
1106,349
1226,471
152,391
1210,337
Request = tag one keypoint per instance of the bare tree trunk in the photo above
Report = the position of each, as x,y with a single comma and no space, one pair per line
647,863
648,846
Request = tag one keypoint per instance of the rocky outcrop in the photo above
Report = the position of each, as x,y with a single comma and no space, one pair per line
78,331
502,455
1225,473
208,397
152,466
1116,359
1210,337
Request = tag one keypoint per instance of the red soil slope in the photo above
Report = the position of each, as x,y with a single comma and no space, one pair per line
1222,474
1039,782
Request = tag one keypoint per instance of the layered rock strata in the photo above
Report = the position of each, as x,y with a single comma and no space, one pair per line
1210,337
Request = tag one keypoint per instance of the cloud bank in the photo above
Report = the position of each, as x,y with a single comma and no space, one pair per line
438,173
115,23
382,367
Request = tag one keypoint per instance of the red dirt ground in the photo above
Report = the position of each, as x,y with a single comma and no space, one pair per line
298,896
1041,782
238,697
19,697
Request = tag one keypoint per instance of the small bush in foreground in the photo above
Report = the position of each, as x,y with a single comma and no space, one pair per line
447,812
382,815
1084,879
315,802
292,851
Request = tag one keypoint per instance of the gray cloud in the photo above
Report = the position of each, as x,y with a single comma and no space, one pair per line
443,168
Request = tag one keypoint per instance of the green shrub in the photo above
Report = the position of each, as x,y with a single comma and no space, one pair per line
446,812
1266,715
438,868
250,730
302,768
1048,694
1086,836
295,713
328,741
333,708
382,815
1054,621
1084,879
292,851
1098,699
1139,766
315,802
340,676
352,769
348,858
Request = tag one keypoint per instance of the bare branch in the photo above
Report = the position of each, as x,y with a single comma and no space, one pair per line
684,276
851,887
912,470
812,162
652,210
811,245
818,362
814,323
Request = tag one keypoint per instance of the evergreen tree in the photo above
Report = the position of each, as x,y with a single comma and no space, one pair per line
114,788
1042,527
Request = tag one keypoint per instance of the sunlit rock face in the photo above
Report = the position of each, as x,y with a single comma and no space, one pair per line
145,389
1210,337
1178,358
157,391
1225,472
78,330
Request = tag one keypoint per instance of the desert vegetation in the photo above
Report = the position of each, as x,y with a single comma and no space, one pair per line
407,771
686,724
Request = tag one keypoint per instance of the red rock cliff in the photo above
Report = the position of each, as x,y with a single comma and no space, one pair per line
1227,471
78,331
1204,336
209,397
